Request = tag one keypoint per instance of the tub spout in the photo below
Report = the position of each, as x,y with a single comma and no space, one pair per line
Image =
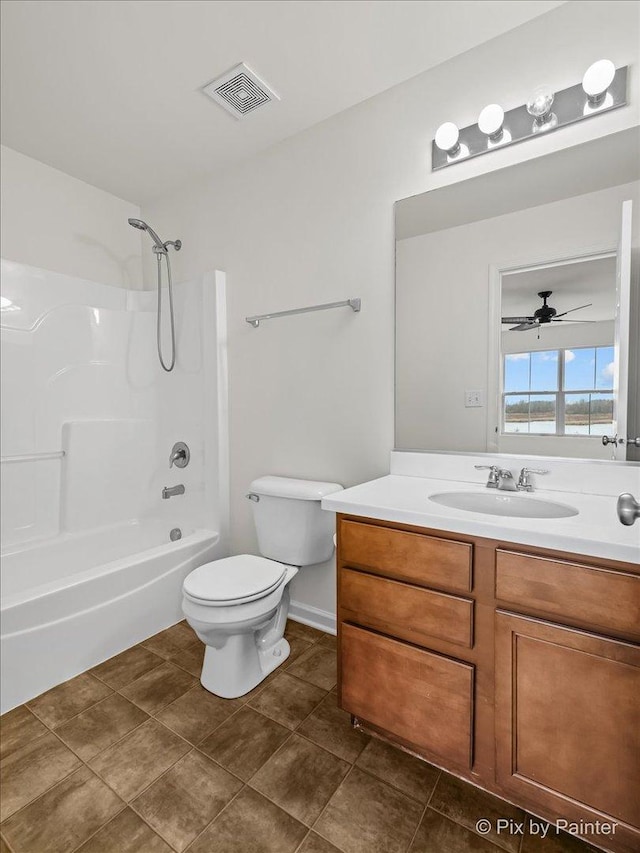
170,491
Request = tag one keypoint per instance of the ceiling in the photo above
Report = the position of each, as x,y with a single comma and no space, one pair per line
109,91
571,284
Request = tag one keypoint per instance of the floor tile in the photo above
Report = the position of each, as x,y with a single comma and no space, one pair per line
413,776
59,704
288,700
303,632
126,667
101,726
156,689
437,834
186,798
64,817
329,641
330,727
139,758
18,728
300,778
317,666
29,771
366,815
316,844
244,742
126,833
297,647
183,635
553,842
171,640
251,824
247,697
197,713
190,659
466,804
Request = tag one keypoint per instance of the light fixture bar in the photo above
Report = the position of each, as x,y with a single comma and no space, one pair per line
569,106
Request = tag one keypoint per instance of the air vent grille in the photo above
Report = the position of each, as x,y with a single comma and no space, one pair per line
240,91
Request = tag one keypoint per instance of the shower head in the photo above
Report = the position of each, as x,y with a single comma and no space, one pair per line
142,226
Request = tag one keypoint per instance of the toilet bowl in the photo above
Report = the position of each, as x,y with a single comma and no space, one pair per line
238,606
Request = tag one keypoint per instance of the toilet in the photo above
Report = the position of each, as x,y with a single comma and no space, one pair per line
238,606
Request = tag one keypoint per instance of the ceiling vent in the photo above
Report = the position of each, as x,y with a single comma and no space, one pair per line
240,91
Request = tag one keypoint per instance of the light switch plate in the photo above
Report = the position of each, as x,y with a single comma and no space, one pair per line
473,399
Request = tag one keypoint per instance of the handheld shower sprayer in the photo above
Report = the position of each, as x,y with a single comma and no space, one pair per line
160,249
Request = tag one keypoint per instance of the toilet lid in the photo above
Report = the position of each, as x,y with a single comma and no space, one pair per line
241,578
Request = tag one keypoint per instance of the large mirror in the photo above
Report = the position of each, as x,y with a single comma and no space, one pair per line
517,308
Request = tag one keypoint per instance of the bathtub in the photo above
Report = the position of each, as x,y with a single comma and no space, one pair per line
69,603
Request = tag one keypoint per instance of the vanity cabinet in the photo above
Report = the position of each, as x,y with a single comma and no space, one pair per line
564,718
517,669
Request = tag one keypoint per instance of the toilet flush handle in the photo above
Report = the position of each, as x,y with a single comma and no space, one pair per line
253,497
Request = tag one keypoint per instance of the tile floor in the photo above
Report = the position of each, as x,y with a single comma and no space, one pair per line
135,756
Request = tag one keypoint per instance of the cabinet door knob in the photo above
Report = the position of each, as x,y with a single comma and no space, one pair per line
628,508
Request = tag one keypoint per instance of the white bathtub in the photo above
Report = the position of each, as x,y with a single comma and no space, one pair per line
70,603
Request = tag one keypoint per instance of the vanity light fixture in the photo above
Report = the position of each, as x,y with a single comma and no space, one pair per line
596,81
447,139
603,88
539,106
491,123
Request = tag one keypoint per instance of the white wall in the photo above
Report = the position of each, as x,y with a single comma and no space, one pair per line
448,272
56,222
311,220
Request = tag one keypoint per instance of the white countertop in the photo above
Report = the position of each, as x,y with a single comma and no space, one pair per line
595,531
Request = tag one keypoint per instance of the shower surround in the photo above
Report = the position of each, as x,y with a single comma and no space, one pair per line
88,422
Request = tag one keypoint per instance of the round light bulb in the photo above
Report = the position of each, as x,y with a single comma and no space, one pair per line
447,136
597,79
490,120
540,103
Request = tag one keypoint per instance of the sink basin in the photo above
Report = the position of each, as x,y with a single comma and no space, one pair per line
503,503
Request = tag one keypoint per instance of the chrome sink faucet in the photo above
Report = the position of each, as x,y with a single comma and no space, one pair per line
524,483
171,491
499,478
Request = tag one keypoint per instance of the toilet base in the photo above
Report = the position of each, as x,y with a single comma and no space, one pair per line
239,666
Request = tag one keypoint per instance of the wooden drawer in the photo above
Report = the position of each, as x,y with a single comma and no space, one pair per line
413,557
403,610
603,599
421,697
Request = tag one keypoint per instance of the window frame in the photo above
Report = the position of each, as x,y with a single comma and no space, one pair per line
560,395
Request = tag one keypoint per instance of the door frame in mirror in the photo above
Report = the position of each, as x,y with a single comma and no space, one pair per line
494,348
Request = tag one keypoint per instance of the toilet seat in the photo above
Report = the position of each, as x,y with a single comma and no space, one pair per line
234,580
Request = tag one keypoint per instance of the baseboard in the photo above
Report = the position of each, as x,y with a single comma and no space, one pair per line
324,620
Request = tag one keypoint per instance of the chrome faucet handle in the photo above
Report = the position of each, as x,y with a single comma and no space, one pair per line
628,508
524,483
494,471
180,455
610,439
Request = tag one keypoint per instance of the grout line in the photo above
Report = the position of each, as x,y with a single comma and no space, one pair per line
299,847
99,829
223,809
424,810
122,686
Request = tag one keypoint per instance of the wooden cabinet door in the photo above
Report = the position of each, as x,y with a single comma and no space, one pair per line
424,699
568,721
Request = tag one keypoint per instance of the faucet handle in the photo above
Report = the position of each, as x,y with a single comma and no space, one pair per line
494,471
524,483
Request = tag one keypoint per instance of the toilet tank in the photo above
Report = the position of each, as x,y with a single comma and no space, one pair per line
291,526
